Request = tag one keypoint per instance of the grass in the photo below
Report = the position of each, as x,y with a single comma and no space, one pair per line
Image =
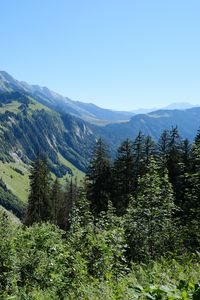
19,184
16,182
35,105
79,175
10,215
12,107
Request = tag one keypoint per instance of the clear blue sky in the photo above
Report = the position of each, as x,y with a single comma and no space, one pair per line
120,54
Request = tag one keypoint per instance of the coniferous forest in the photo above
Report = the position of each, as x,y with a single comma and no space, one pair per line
130,231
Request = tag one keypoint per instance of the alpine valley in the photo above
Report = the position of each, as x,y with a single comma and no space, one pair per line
34,119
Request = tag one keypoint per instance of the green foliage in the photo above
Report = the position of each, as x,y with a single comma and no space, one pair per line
106,251
149,219
98,176
43,262
39,202
8,256
123,177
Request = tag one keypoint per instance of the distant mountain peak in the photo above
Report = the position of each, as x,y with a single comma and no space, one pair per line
180,106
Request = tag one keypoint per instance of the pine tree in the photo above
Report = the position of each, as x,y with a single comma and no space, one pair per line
123,177
39,203
98,178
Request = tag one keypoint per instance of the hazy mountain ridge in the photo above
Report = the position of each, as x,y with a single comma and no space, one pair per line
86,111
188,122
172,106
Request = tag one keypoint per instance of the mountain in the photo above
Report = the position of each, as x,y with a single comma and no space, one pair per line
28,127
86,111
180,106
143,110
35,119
153,124
172,106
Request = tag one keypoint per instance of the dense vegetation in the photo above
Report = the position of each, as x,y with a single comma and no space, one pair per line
130,232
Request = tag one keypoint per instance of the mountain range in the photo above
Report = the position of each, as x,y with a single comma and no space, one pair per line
35,119
172,106
86,111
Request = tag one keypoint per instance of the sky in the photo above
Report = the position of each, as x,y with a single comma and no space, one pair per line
118,54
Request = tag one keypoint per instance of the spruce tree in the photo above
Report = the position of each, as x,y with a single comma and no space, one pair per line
163,149
68,200
57,196
39,202
149,149
98,178
174,158
191,202
186,155
139,157
123,177
149,218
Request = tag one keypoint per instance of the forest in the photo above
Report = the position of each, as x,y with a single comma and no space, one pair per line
130,231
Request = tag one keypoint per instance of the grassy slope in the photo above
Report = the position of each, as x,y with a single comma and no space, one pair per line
10,215
17,183
34,105
12,107
77,173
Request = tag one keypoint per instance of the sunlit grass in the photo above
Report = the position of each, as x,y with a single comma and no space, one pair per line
12,107
16,182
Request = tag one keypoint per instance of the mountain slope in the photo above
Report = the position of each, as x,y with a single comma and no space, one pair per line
33,119
28,127
153,124
86,111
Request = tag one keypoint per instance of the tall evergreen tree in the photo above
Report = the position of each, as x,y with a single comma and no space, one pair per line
149,219
123,177
57,196
185,167
149,149
98,178
174,162
186,153
39,203
163,149
68,200
191,201
139,157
